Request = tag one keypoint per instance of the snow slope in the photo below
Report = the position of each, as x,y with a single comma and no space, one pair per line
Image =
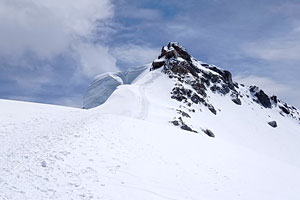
130,148
52,152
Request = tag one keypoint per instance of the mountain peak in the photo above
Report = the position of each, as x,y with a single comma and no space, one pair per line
173,51
196,82
175,57
196,88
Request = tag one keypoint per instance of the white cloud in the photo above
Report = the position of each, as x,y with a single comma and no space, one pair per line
47,27
94,59
277,49
285,46
133,55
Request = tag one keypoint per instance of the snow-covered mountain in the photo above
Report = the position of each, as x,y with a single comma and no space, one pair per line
174,129
196,86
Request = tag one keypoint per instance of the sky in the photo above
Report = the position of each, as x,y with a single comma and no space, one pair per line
50,50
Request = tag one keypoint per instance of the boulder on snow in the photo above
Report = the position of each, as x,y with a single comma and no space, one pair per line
175,123
44,164
184,114
237,101
263,99
212,109
274,99
157,64
261,96
182,125
273,124
187,128
285,110
209,133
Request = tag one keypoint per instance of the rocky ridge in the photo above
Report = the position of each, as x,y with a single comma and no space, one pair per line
194,79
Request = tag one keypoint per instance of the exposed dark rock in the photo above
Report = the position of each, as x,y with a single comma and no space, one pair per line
214,88
253,88
274,99
184,114
235,84
177,91
209,133
179,98
187,128
228,77
281,113
192,83
195,98
180,69
180,50
175,123
222,90
237,101
200,88
273,124
173,51
158,64
214,78
182,125
215,69
212,109
168,54
285,110
262,98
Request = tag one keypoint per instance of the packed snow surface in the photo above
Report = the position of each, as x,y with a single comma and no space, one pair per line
127,149
182,130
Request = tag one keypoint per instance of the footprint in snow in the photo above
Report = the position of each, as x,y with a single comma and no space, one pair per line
44,164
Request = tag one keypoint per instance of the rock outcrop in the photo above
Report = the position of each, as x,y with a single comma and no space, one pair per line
273,124
194,80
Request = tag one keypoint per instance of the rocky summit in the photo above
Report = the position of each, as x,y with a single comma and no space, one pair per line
194,78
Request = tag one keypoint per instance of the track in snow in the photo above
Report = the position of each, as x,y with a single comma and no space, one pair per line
143,100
